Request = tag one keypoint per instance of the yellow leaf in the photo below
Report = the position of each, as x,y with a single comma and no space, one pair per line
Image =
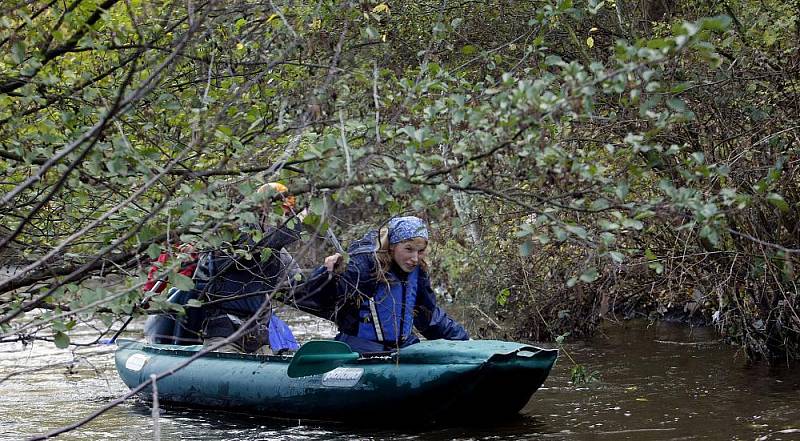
383,7
383,38
593,30
590,42
272,17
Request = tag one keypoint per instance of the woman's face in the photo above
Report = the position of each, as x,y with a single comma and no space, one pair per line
408,254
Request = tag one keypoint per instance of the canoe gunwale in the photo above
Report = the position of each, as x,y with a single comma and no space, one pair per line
405,355
190,351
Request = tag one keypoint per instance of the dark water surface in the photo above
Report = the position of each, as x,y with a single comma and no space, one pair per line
661,382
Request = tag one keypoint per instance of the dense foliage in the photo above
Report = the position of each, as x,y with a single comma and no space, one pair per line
577,160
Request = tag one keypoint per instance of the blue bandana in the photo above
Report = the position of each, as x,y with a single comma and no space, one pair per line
406,227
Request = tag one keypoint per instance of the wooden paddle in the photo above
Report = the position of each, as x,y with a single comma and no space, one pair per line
320,356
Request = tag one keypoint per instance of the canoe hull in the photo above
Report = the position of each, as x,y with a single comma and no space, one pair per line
435,381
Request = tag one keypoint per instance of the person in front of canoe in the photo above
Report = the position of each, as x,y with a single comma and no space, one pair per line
165,328
385,291
249,282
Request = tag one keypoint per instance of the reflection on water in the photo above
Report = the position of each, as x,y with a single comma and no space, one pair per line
658,382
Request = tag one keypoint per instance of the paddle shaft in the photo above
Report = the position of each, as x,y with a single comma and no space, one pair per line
334,241
153,291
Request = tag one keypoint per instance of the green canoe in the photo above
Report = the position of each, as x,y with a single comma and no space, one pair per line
432,381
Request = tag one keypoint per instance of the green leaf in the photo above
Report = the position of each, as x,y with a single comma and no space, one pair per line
154,250
371,33
770,37
18,52
680,87
526,248
317,206
114,166
59,326
576,230
194,303
616,256
466,179
632,223
312,220
401,185
608,238
590,275
469,49
718,23
657,266
676,104
563,5
572,282
778,201
621,190
187,217
606,225
502,297
553,60
182,282
600,204
61,340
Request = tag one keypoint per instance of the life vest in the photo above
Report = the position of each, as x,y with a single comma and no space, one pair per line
388,316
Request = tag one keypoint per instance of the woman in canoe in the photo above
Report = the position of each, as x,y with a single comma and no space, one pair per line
385,291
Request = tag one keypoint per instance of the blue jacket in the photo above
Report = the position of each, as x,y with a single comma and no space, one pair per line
246,282
408,299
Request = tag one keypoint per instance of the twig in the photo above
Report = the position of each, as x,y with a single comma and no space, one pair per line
154,413
761,242
494,323
345,147
377,103
684,343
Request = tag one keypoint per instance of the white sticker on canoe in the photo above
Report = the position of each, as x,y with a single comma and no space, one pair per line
136,362
342,377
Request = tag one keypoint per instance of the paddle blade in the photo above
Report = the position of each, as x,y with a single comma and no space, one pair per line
319,356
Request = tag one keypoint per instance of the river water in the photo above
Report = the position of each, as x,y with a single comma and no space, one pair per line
658,382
